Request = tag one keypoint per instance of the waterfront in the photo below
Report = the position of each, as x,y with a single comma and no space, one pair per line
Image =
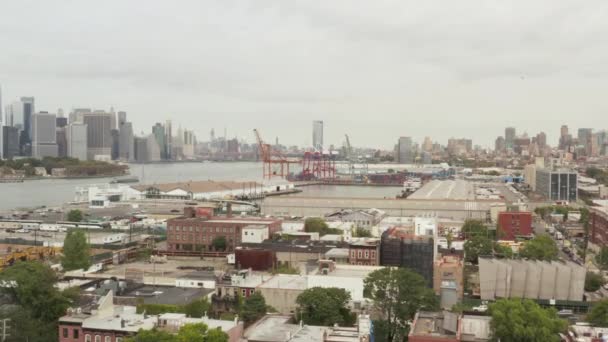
55,192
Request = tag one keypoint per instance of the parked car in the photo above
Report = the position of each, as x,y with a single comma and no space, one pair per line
480,308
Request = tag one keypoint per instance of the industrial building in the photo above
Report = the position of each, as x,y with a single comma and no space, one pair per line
401,249
557,185
507,278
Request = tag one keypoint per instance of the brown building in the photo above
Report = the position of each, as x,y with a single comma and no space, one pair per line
599,225
364,252
197,233
448,280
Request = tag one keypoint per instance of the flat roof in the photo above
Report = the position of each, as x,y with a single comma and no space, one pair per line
274,328
286,281
446,189
167,294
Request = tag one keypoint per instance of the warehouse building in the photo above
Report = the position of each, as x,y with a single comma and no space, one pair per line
505,278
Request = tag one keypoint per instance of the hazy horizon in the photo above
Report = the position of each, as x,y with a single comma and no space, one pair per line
373,70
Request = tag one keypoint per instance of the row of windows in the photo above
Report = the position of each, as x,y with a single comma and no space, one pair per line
201,229
197,238
361,254
88,337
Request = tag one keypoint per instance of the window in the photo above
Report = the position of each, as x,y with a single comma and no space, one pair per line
87,338
65,332
244,292
75,333
177,228
97,338
190,228
196,229
217,229
232,230
119,339
367,254
108,339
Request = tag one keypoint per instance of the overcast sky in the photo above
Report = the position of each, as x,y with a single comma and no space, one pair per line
376,70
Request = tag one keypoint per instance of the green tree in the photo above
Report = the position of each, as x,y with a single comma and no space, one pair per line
35,303
474,228
601,259
315,225
504,251
398,293
541,247
199,332
594,281
598,316
324,306
153,335
197,308
254,307
362,232
515,320
477,245
75,215
219,243
76,251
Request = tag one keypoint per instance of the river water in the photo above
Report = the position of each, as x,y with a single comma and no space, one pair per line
54,192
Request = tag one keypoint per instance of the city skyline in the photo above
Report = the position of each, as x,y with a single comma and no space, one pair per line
358,67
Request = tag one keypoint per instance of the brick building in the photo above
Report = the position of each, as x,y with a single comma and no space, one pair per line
512,224
599,225
448,281
197,233
364,252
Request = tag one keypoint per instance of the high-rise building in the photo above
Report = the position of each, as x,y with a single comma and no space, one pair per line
122,118
1,114
499,144
27,105
565,139
140,149
44,135
62,142
76,137
9,142
510,134
153,148
158,131
77,114
584,138
125,143
317,135
115,143
188,144
405,153
541,140
168,140
99,134
427,146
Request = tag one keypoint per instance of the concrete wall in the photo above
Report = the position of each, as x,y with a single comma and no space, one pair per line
284,300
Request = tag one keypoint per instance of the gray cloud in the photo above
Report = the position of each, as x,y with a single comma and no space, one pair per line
375,70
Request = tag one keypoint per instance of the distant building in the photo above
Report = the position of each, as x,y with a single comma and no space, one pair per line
317,135
61,121
62,142
405,152
44,135
510,135
76,137
27,110
9,142
512,224
158,131
140,149
154,149
99,135
126,144
402,249
115,144
557,185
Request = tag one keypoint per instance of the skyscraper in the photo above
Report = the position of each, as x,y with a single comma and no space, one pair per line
541,140
44,135
27,105
405,154
499,144
317,135
140,149
76,136
169,140
584,138
9,145
510,134
158,131
1,113
99,135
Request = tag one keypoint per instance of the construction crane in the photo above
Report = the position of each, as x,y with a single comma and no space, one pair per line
275,164
349,148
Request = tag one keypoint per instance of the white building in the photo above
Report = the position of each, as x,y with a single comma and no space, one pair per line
44,136
205,280
254,234
76,136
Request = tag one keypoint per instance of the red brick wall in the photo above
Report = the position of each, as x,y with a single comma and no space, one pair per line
70,329
511,224
599,227
363,256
